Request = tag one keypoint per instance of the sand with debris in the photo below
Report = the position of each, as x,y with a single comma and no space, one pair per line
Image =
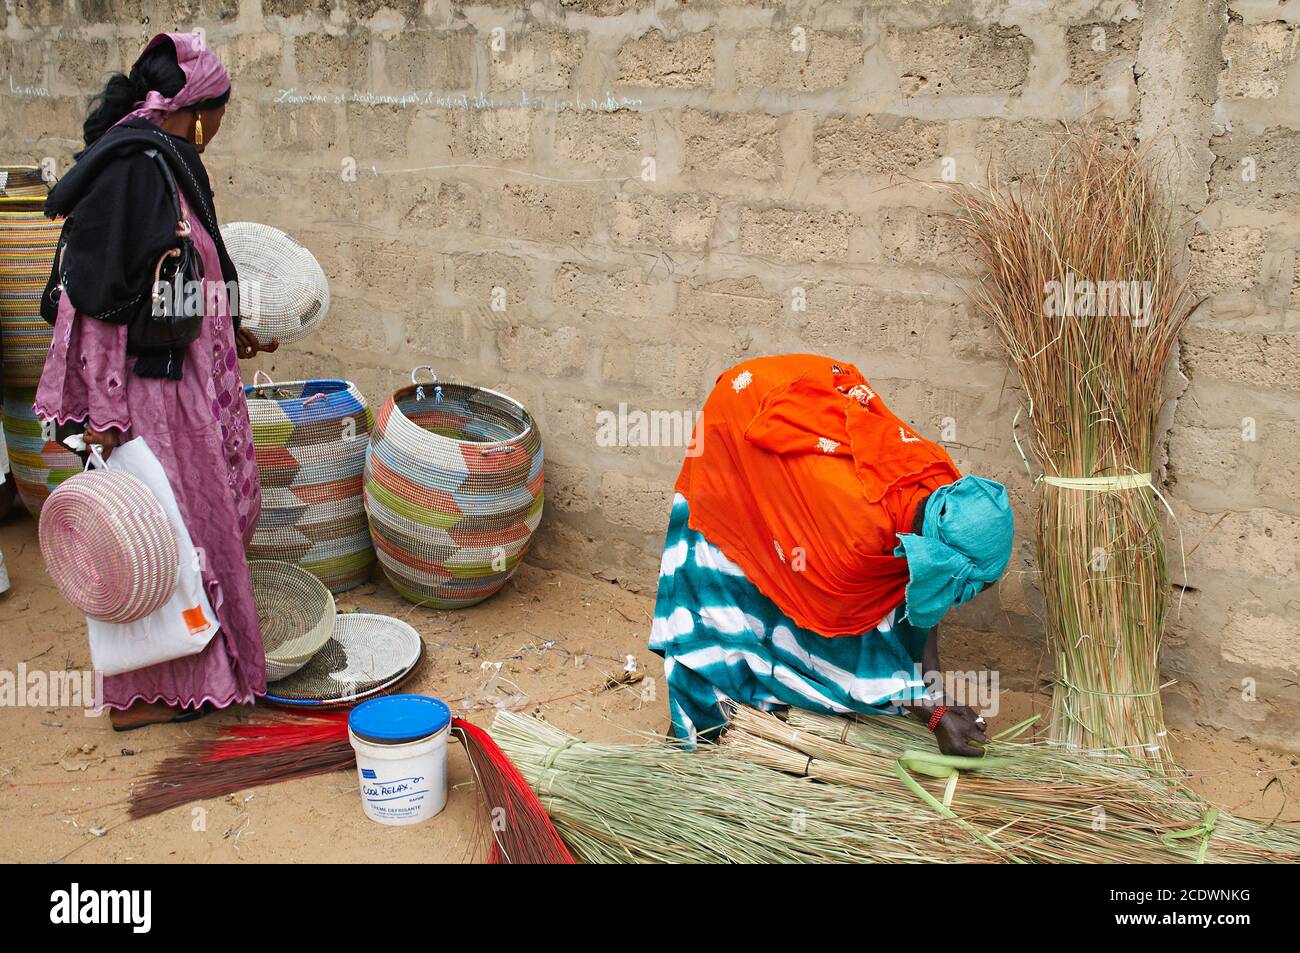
551,642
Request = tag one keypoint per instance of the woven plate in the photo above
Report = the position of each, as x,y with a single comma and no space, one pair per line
283,291
296,612
368,654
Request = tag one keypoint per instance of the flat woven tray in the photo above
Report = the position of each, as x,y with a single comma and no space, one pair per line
367,655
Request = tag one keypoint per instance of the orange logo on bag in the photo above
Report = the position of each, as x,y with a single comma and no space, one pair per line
196,620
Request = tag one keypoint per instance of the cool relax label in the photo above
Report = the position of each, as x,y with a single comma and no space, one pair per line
395,798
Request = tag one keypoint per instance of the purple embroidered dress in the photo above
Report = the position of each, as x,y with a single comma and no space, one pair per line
198,428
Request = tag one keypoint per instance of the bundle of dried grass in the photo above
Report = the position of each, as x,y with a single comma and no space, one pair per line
654,803
1032,801
1081,279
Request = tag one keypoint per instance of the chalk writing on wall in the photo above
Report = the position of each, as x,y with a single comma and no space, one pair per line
430,99
26,90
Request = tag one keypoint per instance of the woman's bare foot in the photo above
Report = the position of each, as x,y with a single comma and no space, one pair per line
149,713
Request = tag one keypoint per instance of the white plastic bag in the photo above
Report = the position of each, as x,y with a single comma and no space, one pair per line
185,623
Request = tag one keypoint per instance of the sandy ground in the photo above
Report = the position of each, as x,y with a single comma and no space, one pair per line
559,637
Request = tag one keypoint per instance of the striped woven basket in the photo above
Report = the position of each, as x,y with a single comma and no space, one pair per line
109,546
311,438
27,243
40,463
453,490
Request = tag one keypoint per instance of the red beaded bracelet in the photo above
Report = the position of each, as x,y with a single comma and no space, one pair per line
939,712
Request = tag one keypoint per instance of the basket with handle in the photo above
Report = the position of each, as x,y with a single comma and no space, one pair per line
310,438
453,490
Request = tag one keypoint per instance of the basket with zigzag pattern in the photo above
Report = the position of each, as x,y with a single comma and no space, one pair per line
453,490
310,438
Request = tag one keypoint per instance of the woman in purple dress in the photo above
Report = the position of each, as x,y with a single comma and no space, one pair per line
188,403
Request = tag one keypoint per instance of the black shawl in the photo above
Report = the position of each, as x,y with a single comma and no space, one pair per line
122,221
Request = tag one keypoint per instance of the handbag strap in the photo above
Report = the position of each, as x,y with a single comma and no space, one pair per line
173,193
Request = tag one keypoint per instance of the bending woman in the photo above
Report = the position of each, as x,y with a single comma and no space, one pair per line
187,403
815,542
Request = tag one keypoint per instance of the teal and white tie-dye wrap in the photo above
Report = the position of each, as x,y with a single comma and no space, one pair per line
722,639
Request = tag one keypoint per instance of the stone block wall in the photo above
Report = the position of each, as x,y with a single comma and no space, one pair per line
602,204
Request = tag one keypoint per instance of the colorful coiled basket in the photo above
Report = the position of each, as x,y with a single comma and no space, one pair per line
27,243
453,489
109,546
310,438
39,462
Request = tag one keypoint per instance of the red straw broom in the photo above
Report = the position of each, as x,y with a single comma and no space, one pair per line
280,749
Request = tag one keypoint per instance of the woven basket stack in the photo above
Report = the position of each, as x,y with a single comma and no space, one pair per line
317,657
453,490
27,243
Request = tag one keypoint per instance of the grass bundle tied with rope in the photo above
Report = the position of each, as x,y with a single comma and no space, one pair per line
817,789
655,803
1035,802
1081,278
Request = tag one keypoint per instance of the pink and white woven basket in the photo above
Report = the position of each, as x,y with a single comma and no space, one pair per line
109,546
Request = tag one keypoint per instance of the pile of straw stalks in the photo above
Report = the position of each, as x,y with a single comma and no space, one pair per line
818,789
1081,275
656,803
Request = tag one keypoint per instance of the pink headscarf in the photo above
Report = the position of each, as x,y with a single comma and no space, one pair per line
205,77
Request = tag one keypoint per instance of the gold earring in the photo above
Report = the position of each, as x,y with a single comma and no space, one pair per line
198,132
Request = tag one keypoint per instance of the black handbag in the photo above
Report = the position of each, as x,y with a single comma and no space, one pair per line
168,314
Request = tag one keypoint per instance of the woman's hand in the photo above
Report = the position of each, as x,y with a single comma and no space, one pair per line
958,732
247,345
106,440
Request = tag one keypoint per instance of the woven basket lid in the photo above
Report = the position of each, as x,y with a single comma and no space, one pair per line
283,291
296,612
109,546
367,654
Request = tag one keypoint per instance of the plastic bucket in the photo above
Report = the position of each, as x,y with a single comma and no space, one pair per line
401,747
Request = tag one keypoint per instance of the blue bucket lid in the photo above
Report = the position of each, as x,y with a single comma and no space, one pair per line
393,719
